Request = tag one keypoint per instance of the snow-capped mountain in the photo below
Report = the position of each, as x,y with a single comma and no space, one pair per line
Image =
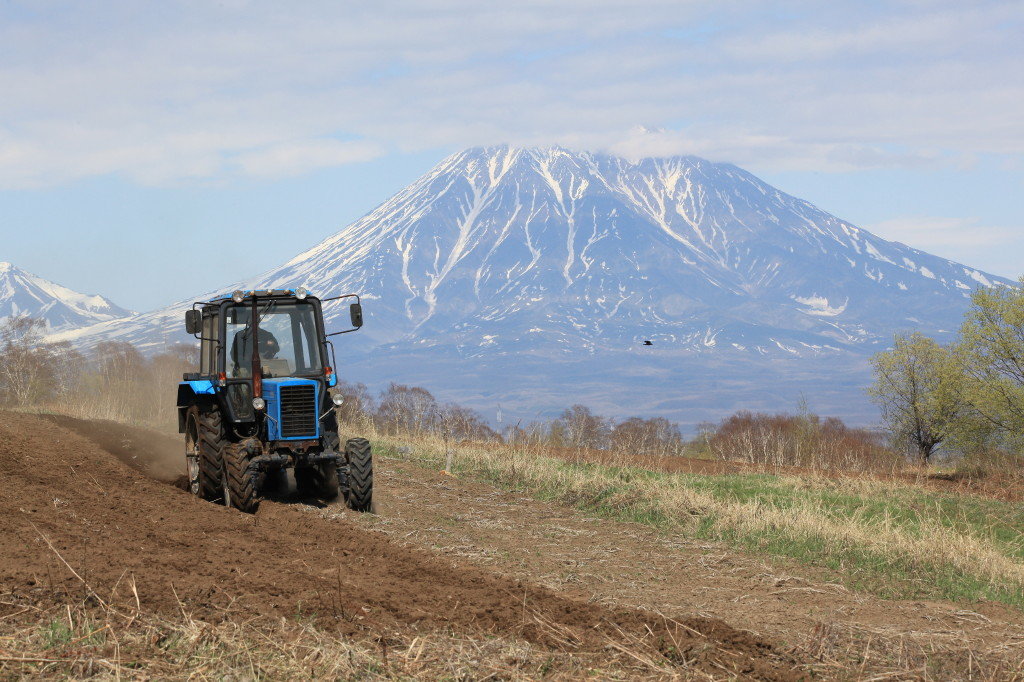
505,267
513,249
22,293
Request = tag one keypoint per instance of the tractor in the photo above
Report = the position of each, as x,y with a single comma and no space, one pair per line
264,399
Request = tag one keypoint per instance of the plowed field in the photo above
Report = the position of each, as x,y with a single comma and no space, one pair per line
92,507
95,511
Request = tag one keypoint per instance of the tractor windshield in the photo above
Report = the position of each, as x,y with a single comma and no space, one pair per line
287,339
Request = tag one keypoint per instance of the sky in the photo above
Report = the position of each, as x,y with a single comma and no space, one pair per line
150,151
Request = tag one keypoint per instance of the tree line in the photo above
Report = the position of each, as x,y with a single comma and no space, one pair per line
114,381
401,409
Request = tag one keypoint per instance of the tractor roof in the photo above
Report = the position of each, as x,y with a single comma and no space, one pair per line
299,293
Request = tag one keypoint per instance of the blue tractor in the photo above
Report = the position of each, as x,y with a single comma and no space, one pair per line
263,402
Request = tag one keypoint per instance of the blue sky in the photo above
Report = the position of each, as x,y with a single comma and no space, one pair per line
150,151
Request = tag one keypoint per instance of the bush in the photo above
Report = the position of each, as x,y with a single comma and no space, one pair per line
652,437
806,441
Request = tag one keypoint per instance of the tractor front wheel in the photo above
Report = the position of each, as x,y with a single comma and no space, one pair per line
241,484
359,483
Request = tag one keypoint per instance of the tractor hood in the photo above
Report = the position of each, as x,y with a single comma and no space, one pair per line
293,408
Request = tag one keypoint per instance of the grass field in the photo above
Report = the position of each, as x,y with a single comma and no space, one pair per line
889,538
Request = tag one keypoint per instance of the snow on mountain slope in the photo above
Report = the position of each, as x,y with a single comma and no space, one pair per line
513,249
22,293
502,257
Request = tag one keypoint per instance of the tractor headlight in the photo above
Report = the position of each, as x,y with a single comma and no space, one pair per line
301,293
258,404
237,296
337,399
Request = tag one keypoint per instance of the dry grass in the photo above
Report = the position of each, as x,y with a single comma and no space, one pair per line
55,636
846,652
890,537
85,640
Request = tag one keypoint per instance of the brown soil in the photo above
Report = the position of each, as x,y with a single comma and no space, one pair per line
70,506
155,454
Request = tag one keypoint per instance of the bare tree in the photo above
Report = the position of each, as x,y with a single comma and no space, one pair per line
580,428
25,361
463,423
157,378
409,409
804,440
120,377
67,366
357,404
656,436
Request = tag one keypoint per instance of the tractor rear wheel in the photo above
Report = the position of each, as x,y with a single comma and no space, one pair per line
359,491
241,484
211,441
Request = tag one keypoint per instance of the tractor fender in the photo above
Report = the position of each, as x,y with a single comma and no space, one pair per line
191,393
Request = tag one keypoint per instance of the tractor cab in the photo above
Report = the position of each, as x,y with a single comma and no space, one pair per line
265,373
289,341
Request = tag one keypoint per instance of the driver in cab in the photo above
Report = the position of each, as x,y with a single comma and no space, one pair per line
241,349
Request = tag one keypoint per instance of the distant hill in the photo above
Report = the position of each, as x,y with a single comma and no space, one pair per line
22,293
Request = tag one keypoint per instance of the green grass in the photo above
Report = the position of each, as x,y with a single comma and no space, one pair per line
891,539
58,633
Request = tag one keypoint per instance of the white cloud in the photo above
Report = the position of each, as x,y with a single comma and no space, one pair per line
781,153
944,232
993,248
293,158
194,90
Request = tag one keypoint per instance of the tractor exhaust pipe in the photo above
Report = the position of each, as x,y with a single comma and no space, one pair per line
257,364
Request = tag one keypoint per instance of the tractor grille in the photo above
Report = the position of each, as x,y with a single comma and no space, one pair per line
298,411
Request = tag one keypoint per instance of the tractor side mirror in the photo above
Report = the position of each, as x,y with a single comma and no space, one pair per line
193,321
355,313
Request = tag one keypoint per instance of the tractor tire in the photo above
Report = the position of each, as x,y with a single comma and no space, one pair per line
211,442
359,492
319,481
192,453
241,485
